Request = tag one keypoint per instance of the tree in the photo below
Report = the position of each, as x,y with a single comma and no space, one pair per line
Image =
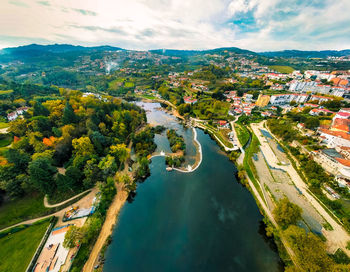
286,213
18,127
310,251
108,166
120,151
143,169
39,109
19,158
72,237
63,151
41,174
83,146
312,123
92,173
69,116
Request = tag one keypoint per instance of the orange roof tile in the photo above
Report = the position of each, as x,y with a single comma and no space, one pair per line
343,162
339,134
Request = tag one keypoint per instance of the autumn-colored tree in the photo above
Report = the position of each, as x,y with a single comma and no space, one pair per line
120,151
83,146
18,127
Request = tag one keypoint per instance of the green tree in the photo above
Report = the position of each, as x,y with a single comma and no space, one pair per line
286,213
108,166
92,173
69,116
41,174
310,251
312,122
19,158
39,109
73,236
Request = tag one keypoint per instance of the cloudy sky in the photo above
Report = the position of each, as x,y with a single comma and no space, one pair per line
259,25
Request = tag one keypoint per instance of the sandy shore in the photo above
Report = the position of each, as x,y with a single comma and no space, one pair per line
107,229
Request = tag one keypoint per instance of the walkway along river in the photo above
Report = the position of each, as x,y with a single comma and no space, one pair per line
198,221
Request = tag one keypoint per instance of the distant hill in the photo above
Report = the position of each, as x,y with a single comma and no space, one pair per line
35,51
184,53
57,48
306,54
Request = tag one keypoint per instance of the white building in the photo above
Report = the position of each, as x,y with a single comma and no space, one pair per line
283,99
335,138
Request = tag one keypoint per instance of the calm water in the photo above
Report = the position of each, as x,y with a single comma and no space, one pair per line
200,221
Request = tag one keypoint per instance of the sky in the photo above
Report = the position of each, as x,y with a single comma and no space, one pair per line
258,25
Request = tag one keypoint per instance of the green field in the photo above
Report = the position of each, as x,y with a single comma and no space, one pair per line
242,134
129,84
5,140
114,84
4,125
6,92
248,164
282,69
218,134
28,207
17,249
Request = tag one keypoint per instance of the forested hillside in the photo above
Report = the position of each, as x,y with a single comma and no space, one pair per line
67,145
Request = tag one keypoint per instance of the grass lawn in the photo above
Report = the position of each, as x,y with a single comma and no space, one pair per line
282,69
28,207
5,140
248,164
4,125
114,84
218,134
148,96
129,84
17,249
242,134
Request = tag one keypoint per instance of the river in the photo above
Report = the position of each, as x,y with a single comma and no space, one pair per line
199,221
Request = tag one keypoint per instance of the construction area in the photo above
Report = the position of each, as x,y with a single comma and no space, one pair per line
54,254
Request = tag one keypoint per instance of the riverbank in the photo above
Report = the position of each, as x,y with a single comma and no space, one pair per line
107,228
196,217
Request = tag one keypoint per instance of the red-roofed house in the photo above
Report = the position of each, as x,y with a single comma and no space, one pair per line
341,125
190,100
335,138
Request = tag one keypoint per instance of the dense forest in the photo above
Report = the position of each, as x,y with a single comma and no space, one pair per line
69,144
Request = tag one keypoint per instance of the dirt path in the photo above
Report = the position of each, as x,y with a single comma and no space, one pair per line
47,205
3,130
107,228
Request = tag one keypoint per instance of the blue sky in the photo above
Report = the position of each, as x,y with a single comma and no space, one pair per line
259,25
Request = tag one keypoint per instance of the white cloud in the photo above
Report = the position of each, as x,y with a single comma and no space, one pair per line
186,24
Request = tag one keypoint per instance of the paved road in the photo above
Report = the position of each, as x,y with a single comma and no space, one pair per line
338,237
